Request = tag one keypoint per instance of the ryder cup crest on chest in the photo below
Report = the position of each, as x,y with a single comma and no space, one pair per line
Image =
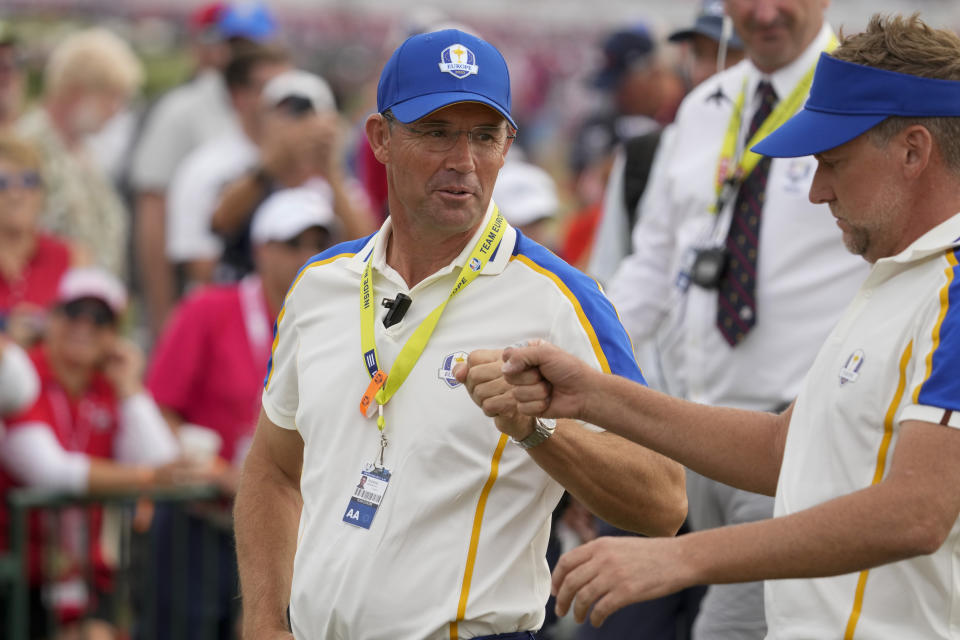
445,372
458,61
850,370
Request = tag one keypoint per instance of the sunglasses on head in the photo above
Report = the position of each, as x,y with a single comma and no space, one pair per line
296,106
22,179
96,311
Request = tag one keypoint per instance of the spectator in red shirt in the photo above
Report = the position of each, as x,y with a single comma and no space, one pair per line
31,261
209,363
92,428
207,373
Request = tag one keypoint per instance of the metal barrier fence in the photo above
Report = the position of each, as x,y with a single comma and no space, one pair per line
173,572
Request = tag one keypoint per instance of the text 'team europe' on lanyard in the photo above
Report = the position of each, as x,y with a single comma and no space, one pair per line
384,385
736,162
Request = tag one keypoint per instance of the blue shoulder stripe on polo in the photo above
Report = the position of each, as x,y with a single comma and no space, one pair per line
942,388
349,247
599,312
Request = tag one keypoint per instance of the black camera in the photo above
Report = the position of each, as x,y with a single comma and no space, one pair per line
708,267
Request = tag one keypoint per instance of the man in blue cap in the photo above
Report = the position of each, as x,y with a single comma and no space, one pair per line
377,500
864,464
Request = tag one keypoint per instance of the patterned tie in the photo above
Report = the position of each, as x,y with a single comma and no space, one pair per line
736,301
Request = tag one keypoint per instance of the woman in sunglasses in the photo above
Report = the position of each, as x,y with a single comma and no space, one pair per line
93,428
32,262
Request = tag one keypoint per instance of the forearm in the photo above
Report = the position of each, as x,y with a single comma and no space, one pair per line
106,476
858,531
627,485
266,518
155,273
145,436
18,379
740,448
238,201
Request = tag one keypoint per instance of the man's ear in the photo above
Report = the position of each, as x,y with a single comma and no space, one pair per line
378,135
918,148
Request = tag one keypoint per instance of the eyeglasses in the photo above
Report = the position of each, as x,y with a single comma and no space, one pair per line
91,309
22,179
437,137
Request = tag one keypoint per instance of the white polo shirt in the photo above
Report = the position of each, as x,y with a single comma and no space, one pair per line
182,120
892,357
464,523
195,190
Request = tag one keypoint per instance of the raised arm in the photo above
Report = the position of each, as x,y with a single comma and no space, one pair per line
740,448
911,512
624,483
266,516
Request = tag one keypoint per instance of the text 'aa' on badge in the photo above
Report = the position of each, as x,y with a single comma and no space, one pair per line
367,496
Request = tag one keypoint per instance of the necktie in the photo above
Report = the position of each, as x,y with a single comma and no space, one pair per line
736,298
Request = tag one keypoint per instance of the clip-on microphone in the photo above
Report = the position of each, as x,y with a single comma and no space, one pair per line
397,308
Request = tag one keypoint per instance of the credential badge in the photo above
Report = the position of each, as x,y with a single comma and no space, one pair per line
458,61
850,370
446,371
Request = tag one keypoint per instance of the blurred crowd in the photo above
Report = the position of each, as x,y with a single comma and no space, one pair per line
146,244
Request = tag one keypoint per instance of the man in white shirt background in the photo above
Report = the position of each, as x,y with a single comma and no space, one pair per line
737,297
864,462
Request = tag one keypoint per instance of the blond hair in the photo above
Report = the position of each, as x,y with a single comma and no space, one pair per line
909,45
95,59
19,152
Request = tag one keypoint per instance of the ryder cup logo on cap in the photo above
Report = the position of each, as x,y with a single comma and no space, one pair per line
458,61
412,84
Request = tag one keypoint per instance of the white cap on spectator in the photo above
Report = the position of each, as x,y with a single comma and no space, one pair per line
288,213
525,193
93,282
301,84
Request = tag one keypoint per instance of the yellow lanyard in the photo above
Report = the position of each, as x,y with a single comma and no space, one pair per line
383,386
733,169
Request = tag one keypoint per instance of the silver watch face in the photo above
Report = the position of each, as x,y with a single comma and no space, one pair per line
543,428
547,423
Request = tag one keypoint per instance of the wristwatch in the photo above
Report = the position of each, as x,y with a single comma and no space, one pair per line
543,428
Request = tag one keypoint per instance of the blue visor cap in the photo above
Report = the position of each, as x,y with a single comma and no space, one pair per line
434,70
848,99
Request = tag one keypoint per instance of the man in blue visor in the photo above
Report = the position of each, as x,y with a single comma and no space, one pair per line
865,465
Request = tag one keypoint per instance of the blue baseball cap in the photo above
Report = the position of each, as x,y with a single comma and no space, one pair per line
251,20
622,50
848,99
709,23
430,71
